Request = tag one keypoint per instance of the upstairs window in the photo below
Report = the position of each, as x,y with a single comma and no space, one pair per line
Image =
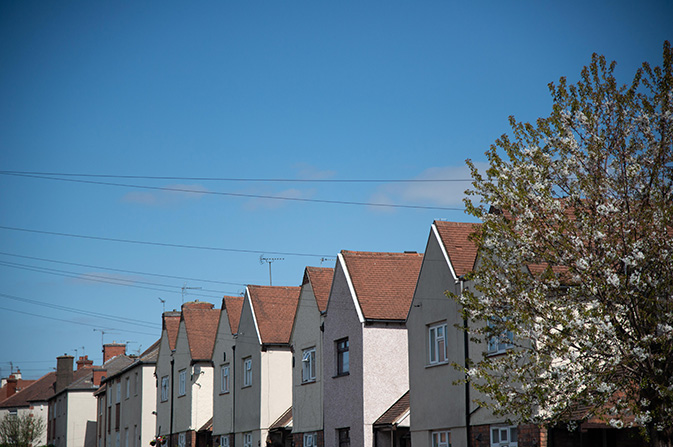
224,379
164,388
343,361
437,344
182,383
500,343
247,372
308,366
128,387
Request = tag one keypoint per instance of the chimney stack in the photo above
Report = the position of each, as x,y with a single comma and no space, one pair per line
98,375
64,372
111,350
11,385
84,362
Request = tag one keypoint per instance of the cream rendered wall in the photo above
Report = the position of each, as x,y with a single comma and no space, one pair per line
307,403
163,368
81,419
201,388
275,384
343,395
385,371
223,353
39,410
148,392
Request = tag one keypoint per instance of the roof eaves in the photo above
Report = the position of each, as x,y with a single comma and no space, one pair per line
435,231
254,317
347,275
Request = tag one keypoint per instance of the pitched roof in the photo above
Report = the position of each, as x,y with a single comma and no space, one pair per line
284,421
461,251
321,282
274,308
150,354
201,325
384,283
234,305
396,413
20,385
39,390
171,322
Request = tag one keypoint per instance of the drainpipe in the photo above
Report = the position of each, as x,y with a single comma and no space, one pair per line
172,387
466,350
233,394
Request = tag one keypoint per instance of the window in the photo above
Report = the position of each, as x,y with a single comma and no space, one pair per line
126,437
224,441
119,391
343,366
135,384
109,395
500,343
437,343
343,437
128,387
308,366
504,436
136,438
117,440
441,439
224,379
310,440
247,439
247,372
164,388
182,382
182,440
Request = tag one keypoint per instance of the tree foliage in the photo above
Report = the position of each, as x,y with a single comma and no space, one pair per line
20,431
576,255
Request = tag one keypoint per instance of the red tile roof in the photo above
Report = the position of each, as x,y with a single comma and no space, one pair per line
395,413
274,309
321,282
233,304
201,322
20,384
39,390
384,283
461,251
171,322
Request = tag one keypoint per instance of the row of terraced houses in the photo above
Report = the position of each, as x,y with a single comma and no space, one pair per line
358,355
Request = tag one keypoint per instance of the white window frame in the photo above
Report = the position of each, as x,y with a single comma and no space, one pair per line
308,365
224,441
165,386
126,437
182,440
441,438
224,378
247,372
247,439
182,382
497,343
510,431
342,348
310,439
117,440
437,349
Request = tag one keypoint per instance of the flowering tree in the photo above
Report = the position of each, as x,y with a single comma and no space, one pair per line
575,265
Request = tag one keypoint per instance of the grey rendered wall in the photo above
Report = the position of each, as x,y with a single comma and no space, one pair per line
223,354
343,395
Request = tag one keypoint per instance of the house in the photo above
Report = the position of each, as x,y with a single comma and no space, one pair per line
72,406
365,358
170,323
307,346
185,377
262,363
29,399
12,384
443,412
224,353
125,401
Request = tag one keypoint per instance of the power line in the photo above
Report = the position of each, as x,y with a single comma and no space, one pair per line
78,311
233,194
230,179
122,270
70,321
160,244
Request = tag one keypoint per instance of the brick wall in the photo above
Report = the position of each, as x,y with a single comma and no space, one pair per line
298,439
529,436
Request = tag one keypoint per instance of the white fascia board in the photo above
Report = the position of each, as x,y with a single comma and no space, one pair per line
443,248
254,317
356,303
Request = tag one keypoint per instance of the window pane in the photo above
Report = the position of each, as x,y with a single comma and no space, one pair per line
514,434
495,436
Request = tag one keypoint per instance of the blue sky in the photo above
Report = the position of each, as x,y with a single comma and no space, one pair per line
299,90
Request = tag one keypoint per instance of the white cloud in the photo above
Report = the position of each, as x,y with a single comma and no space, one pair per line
446,194
306,171
172,195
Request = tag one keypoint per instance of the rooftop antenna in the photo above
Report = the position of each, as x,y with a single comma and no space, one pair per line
163,304
262,260
326,259
184,287
102,334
